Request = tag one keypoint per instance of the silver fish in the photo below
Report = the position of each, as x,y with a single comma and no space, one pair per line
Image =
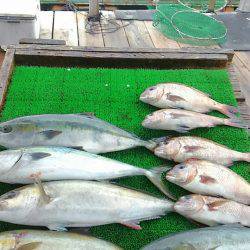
226,237
82,131
182,120
176,95
62,204
183,148
203,177
59,163
213,211
48,240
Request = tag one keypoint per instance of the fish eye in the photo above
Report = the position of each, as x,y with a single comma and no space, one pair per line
6,129
181,167
10,195
152,88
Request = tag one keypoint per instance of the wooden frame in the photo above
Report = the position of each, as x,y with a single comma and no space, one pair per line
66,56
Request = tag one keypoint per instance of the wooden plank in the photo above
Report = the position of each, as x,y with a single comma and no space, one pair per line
244,58
94,39
228,52
243,78
42,41
137,34
119,60
242,104
158,39
46,24
65,27
5,74
111,36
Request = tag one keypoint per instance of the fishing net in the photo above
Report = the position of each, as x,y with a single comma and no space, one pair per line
203,5
185,25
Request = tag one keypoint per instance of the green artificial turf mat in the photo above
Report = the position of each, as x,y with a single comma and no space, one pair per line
113,95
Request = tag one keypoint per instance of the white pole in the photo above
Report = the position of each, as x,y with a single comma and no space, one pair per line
94,13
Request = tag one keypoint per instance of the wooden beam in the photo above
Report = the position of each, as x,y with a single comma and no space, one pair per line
5,74
42,41
228,52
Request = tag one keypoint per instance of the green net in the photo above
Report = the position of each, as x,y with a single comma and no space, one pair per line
185,25
203,5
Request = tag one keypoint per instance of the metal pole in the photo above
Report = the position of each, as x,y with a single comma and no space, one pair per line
211,5
94,13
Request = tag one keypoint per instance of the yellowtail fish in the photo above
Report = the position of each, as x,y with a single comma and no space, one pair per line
183,148
227,237
212,211
61,204
60,163
82,131
180,96
182,121
48,240
203,177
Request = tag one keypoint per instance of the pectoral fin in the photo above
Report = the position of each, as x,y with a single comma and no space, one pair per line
45,198
29,246
214,206
132,224
189,149
207,179
174,98
39,155
50,134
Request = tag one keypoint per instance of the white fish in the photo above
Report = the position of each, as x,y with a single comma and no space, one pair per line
203,177
62,204
176,95
48,240
182,120
212,211
82,131
58,163
183,148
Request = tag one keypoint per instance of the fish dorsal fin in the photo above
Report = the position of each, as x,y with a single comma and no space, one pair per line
87,114
29,246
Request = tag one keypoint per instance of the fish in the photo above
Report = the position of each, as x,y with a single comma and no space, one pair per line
24,165
58,205
81,131
213,211
203,177
228,237
183,121
180,96
48,240
183,148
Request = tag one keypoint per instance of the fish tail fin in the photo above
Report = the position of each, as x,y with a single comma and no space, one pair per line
235,122
154,175
245,157
227,110
153,143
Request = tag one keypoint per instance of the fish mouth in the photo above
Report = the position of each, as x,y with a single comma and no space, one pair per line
170,177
